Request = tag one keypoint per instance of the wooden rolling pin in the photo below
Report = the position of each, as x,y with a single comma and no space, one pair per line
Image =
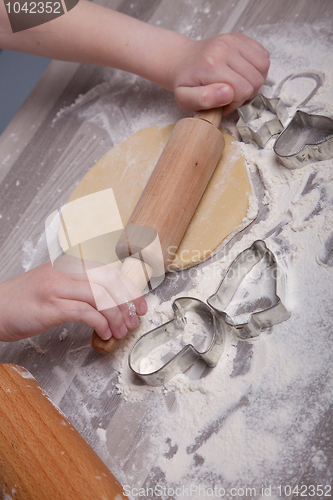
42,456
173,192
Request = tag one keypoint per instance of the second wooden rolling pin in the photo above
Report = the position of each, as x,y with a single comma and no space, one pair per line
42,456
173,192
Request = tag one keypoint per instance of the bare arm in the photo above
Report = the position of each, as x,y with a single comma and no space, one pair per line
90,33
218,71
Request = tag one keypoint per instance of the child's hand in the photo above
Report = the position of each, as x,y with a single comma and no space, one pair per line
44,298
224,70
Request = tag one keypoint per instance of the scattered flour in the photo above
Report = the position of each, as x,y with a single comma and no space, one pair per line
251,419
63,335
101,434
36,346
264,118
23,373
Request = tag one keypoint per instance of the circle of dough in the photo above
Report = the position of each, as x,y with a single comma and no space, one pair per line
126,169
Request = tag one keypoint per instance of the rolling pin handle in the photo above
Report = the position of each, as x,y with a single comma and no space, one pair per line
213,116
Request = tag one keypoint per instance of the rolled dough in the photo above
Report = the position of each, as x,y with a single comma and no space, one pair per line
126,169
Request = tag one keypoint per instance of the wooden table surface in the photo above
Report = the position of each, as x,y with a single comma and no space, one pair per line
50,144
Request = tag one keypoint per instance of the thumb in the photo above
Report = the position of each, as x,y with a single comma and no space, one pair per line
204,97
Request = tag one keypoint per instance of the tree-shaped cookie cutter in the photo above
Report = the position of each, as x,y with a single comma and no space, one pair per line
240,267
253,125
217,321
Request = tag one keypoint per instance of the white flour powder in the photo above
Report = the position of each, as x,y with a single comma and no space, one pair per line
250,421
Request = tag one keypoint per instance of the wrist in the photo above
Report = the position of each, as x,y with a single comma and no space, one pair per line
153,53
175,60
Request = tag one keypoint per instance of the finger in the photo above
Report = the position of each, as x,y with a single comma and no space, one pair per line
204,97
130,301
112,280
250,41
118,320
129,314
136,295
247,49
97,297
133,308
255,58
118,290
76,311
232,107
241,86
247,79
72,289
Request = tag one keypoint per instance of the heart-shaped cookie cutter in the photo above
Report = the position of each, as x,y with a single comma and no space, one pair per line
254,125
307,138
215,318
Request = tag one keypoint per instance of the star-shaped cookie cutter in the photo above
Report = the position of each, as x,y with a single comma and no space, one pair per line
254,125
213,314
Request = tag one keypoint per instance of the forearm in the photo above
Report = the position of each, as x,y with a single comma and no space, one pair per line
94,34
225,70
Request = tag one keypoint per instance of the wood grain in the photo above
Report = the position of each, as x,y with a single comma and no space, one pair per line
41,454
178,181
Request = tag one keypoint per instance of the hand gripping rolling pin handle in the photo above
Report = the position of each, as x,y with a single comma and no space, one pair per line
173,193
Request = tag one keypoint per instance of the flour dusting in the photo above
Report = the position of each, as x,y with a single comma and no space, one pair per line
249,421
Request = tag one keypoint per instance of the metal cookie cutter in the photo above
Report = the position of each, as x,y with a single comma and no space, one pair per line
239,268
214,318
256,121
307,138
169,331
